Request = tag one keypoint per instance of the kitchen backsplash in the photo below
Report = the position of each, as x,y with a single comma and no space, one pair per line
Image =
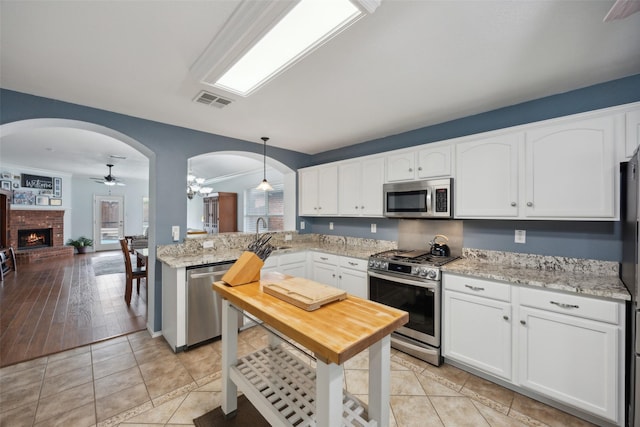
543,262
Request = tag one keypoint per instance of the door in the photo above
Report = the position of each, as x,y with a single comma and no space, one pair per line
108,222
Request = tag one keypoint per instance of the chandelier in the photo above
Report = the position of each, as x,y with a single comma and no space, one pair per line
195,188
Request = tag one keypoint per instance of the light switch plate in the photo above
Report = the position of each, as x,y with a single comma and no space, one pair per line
301,225
331,226
175,233
374,228
521,236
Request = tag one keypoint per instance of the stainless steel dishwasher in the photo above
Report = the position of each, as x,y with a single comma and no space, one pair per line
204,305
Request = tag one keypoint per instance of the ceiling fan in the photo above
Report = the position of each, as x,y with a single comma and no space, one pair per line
108,179
621,9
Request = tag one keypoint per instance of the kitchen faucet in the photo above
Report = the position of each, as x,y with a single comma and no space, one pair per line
264,223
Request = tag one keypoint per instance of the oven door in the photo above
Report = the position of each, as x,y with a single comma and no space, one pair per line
420,299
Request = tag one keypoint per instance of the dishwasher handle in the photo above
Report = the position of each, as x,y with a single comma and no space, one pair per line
208,274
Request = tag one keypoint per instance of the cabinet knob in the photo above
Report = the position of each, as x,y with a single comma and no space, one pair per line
513,204
505,317
356,207
529,204
419,168
319,207
410,169
333,275
339,276
523,322
361,207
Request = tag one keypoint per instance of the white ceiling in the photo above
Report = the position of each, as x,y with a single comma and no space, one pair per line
409,65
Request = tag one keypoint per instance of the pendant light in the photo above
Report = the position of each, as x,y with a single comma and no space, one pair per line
264,185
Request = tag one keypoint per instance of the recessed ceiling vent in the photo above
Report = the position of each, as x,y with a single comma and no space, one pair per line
211,99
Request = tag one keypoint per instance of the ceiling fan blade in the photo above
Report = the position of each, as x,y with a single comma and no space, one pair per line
621,9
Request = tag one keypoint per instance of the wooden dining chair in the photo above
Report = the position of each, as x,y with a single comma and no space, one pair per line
132,272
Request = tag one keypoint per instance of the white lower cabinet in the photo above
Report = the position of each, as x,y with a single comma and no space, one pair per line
566,355
349,274
562,346
477,330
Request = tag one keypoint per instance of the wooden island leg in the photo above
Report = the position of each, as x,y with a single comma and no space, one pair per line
229,357
329,382
379,381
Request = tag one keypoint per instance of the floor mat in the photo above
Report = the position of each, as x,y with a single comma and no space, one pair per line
246,415
108,265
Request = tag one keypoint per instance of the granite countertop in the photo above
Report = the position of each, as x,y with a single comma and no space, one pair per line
176,256
593,278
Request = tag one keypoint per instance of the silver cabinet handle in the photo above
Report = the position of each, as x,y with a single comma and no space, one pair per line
513,204
529,204
523,322
474,288
505,317
324,258
353,263
562,305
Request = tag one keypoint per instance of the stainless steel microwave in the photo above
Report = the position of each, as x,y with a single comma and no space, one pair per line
419,199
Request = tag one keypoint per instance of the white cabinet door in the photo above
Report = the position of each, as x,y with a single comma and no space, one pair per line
632,119
477,332
354,282
318,190
326,274
571,360
434,162
328,190
570,170
486,183
401,167
308,191
371,199
350,188
296,270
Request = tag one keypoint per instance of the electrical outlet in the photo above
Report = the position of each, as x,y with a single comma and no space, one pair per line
374,228
301,225
331,226
207,244
521,236
175,233
288,237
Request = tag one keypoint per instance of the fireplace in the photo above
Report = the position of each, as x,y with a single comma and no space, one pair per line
32,238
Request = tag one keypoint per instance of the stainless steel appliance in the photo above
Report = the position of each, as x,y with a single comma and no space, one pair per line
629,274
204,306
410,280
418,199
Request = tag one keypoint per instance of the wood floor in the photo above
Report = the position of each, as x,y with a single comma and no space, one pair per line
53,306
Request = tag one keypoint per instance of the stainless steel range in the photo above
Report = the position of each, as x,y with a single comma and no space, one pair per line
410,280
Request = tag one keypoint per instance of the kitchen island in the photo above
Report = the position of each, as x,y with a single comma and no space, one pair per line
333,333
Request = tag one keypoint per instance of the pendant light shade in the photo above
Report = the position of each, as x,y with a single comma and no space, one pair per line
264,185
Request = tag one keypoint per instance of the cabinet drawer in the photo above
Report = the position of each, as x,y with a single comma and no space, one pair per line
353,263
292,258
326,258
272,261
574,305
479,287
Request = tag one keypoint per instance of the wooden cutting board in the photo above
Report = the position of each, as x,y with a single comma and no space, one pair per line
304,293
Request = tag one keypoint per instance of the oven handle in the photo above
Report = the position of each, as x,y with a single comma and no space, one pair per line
431,285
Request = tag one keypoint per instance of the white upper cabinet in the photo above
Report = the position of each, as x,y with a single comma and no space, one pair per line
432,161
632,132
486,183
360,187
570,170
565,171
401,166
318,190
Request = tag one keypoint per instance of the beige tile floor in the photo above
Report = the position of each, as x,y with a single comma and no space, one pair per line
137,380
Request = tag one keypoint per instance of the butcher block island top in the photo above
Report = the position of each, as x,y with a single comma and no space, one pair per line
334,332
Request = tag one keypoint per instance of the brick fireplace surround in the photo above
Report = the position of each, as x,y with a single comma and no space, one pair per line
34,219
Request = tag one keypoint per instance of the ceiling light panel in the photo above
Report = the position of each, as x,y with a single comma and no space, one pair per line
263,39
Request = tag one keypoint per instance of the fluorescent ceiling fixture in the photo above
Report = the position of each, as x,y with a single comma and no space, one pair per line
306,27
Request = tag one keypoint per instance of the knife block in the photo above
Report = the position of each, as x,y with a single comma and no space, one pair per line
245,270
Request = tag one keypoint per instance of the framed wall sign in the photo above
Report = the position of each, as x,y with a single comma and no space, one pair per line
55,202
42,200
37,182
5,185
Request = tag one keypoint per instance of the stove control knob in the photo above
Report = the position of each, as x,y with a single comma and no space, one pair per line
376,264
432,274
371,263
384,265
423,272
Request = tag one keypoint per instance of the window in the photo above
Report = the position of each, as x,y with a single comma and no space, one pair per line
266,204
